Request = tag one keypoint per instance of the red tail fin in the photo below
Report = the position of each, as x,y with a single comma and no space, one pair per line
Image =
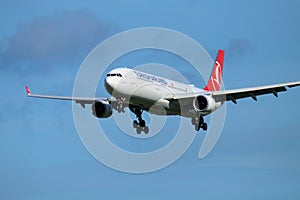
28,90
215,80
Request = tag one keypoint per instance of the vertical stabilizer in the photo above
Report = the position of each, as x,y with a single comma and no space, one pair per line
215,80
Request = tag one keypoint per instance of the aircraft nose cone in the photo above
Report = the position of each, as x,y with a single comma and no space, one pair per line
108,85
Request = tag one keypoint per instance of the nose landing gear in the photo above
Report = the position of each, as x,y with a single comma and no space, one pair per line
120,105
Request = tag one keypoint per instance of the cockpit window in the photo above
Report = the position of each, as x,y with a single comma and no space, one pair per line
118,74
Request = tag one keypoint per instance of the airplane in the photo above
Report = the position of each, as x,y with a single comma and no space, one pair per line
141,91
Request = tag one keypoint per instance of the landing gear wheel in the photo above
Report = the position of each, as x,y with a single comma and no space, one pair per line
204,126
138,130
135,124
120,109
146,129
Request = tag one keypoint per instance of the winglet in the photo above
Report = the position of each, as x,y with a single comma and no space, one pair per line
215,81
28,90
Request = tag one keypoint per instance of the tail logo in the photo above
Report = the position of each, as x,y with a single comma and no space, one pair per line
216,78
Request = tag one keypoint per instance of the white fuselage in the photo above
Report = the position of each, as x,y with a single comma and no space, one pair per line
149,91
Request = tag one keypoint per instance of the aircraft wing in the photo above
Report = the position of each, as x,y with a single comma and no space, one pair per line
253,92
233,95
80,100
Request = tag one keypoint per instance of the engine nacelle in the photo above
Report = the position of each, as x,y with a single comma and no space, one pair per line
101,109
205,103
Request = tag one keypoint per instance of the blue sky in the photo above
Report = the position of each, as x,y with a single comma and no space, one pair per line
44,43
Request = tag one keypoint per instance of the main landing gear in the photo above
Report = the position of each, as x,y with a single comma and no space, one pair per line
199,123
139,124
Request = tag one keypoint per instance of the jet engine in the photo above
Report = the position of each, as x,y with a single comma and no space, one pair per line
204,103
101,109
